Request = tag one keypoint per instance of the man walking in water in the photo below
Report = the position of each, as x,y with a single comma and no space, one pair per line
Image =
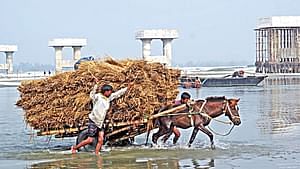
101,104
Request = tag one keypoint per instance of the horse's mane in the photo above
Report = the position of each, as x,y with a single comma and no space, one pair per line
199,100
216,98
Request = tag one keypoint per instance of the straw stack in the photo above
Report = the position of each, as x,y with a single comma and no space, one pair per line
62,101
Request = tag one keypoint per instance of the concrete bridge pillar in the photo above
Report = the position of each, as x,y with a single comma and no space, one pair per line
167,50
58,58
76,52
59,44
9,62
146,43
8,50
166,36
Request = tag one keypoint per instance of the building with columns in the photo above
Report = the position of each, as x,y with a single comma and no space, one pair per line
59,44
8,50
165,35
278,44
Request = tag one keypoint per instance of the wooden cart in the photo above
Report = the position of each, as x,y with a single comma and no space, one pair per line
121,133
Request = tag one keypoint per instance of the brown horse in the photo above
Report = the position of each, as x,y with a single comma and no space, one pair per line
193,117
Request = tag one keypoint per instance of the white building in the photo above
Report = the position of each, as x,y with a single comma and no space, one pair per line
278,44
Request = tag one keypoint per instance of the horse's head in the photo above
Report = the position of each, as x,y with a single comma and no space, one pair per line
231,110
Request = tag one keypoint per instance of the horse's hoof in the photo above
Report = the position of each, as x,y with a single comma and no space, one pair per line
213,147
189,145
155,146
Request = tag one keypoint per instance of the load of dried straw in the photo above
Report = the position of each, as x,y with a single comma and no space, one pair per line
62,101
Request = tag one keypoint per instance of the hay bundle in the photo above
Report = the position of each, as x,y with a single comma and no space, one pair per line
62,101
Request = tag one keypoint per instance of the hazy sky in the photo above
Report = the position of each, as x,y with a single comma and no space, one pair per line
211,31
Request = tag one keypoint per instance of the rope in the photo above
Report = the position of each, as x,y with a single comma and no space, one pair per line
220,121
92,74
206,115
226,134
203,104
195,113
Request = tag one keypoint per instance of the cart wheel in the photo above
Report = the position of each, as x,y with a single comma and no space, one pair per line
122,143
82,136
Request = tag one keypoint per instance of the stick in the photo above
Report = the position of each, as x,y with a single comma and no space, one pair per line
60,131
128,123
118,131
92,74
181,107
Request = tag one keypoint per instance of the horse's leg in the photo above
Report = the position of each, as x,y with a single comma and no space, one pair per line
162,131
209,134
169,133
174,130
193,136
177,135
167,136
155,136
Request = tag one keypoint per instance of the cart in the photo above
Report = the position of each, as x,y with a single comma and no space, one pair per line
117,134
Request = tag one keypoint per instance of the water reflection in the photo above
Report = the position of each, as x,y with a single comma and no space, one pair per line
99,162
279,105
197,93
196,163
282,80
75,161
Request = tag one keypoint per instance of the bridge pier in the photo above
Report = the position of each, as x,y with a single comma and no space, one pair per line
8,50
165,35
59,44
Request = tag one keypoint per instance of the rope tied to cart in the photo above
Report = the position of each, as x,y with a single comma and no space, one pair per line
195,113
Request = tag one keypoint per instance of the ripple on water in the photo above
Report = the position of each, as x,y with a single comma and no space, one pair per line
268,137
197,155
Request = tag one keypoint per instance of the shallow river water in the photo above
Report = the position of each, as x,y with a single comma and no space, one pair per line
267,138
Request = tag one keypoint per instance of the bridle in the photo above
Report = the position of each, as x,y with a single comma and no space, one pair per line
227,107
224,108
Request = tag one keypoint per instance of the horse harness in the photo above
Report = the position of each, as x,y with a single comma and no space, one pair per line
200,112
204,114
229,110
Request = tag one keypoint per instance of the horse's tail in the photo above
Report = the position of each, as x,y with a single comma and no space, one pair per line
154,124
150,126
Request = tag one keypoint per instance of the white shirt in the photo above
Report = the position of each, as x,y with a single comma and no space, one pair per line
101,104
